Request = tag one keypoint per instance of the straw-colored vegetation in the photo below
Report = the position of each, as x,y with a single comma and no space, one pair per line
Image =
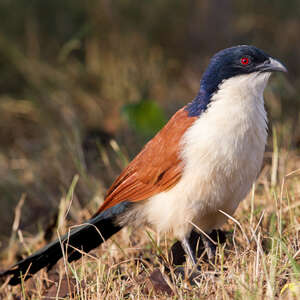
83,85
260,259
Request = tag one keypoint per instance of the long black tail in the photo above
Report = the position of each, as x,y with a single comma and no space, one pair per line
85,238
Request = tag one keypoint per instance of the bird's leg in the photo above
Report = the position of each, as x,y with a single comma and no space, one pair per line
210,247
189,251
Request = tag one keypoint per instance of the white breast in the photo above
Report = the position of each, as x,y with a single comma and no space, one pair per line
222,154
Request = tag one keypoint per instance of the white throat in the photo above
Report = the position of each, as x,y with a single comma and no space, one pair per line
243,86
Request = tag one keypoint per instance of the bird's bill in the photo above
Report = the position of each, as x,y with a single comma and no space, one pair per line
272,65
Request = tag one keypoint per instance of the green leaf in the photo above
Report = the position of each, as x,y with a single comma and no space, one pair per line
146,117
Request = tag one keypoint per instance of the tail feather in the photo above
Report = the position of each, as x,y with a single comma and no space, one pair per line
85,238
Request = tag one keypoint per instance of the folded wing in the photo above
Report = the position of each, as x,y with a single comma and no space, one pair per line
158,167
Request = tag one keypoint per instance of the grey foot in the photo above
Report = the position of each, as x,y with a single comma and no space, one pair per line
198,246
210,247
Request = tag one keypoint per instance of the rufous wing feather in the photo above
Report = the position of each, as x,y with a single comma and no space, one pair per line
156,168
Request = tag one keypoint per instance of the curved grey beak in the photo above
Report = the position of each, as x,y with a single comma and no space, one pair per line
272,65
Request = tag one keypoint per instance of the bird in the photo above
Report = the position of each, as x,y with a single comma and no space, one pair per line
193,173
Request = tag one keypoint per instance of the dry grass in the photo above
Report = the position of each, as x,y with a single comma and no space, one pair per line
260,260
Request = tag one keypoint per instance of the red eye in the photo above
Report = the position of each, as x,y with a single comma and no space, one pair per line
245,61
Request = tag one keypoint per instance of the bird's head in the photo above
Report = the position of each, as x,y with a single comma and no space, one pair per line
232,64
235,61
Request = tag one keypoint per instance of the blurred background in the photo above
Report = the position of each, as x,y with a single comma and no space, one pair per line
84,84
